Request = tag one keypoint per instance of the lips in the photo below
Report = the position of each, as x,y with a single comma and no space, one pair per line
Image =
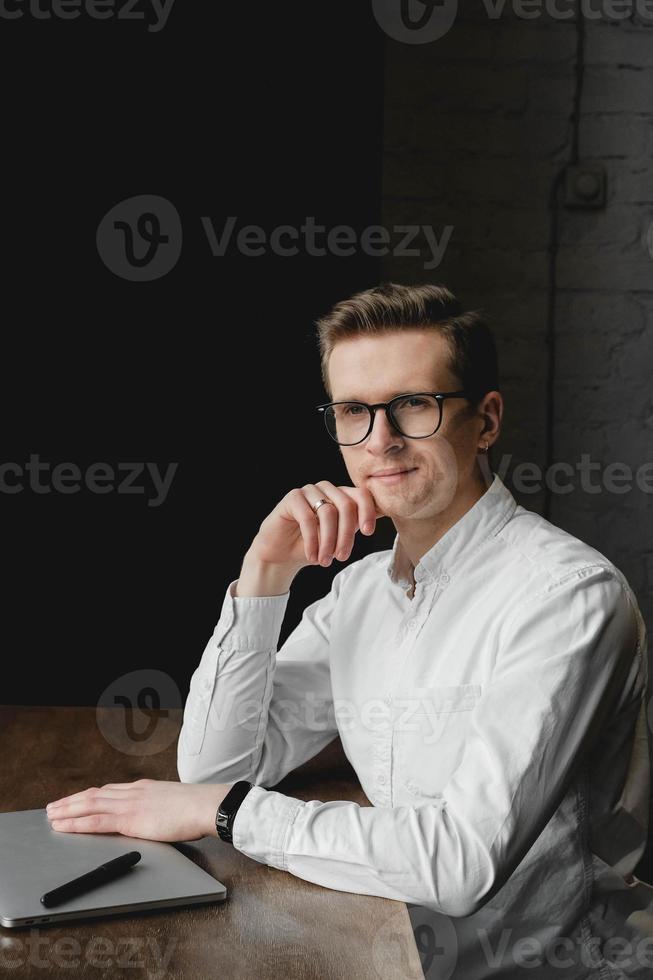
387,473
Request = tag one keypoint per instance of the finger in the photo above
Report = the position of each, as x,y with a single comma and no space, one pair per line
96,823
88,795
368,511
73,796
118,785
347,518
327,521
93,804
306,518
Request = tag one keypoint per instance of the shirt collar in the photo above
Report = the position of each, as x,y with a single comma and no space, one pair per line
483,520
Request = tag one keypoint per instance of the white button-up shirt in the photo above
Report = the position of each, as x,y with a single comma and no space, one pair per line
496,721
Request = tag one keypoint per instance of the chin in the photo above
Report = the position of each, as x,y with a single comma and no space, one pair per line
403,508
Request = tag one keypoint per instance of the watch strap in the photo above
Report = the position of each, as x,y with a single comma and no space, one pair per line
228,809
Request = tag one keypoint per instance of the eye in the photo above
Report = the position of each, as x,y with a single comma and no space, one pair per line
353,409
413,401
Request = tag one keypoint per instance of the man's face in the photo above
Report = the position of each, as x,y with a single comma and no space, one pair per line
436,469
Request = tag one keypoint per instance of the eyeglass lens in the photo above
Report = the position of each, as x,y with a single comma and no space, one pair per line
414,416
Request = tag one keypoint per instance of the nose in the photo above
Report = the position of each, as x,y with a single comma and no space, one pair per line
383,436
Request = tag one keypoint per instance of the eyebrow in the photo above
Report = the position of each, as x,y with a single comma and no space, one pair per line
402,391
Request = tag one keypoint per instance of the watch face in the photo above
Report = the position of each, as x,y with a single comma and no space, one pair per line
222,827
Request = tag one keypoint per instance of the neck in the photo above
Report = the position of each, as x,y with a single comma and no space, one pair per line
417,536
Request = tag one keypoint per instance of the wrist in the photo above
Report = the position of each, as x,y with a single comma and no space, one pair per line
259,578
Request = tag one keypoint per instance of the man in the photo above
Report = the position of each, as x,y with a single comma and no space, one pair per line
492,668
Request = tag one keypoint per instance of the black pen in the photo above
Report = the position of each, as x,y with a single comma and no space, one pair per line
105,872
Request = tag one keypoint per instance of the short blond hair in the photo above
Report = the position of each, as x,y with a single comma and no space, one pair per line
391,306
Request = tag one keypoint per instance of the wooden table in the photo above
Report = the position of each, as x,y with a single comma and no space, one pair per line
272,924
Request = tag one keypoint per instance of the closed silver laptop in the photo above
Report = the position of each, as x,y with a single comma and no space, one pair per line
35,859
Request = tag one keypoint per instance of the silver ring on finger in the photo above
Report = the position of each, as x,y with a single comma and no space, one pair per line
318,503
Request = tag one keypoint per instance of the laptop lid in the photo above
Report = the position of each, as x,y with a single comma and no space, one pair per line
34,859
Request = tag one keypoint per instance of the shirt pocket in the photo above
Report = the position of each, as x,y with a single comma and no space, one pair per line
431,726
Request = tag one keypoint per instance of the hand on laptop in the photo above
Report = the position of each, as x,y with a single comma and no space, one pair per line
151,809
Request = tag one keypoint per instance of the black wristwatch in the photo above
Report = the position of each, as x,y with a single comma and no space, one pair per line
224,820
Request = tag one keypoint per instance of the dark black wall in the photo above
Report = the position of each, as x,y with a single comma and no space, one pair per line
269,115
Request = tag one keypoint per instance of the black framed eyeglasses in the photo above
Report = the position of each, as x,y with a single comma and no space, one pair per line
415,415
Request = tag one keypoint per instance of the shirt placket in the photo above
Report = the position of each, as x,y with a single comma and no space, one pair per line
418,609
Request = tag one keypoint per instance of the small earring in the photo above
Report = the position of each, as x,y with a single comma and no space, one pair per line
485,448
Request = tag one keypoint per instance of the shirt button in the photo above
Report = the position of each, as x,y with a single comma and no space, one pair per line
444,577
411,624
388,699
380,779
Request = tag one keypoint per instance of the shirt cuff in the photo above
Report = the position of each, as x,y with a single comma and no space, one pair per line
262,825
250,622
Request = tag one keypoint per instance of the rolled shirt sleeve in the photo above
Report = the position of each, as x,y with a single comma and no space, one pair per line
565,658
